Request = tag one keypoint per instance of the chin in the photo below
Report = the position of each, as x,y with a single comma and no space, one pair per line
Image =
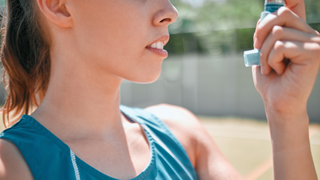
147,72
146,78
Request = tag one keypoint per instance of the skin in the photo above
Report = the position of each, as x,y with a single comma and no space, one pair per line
98,43
285,88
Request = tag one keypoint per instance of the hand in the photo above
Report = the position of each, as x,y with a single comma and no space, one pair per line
290,58
285,85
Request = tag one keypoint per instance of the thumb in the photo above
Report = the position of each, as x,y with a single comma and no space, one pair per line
258,78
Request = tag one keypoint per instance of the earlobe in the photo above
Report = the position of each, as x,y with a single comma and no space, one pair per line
56,12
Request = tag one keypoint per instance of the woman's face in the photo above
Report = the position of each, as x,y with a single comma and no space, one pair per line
123,37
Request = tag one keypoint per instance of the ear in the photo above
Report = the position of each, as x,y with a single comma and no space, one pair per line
56,12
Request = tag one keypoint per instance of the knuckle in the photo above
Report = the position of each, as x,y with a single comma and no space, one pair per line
317,50
316,38
284,12
279,46
272,62
277,31
312,49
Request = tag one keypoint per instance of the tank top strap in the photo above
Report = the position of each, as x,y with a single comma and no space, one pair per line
47,156
148,120
50,158
167,145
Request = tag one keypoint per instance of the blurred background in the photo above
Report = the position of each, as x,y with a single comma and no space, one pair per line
205,73
205,70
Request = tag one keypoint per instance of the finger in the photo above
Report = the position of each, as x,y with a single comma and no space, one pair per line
283,17
254,35
277,54
298,7
283,34
256,75
299,54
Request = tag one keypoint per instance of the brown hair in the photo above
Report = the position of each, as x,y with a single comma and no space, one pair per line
25,57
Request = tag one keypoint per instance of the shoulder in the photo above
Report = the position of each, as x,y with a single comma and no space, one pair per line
203,152
12,164
183,124
177,118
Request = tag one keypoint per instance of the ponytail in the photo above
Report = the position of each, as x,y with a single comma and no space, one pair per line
25,57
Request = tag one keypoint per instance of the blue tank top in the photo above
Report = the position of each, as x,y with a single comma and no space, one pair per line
50,158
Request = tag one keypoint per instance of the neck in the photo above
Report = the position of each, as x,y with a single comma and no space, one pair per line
81,100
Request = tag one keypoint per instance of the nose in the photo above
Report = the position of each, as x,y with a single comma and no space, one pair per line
166,13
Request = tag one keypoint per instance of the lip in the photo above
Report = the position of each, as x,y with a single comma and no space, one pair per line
160,52
164,39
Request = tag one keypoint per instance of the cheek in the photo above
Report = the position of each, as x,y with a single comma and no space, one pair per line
105,32
114,40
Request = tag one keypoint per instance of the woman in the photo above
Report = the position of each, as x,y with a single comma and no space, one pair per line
70,57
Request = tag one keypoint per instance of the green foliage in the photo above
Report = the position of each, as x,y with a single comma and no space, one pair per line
244,39
313,11
213,25
315,26
222,26
185,42
217,15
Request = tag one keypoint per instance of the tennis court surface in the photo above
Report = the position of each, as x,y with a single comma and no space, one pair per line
247,145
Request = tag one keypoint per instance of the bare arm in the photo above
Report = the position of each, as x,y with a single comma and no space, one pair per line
12,164
285,87
204,154
291,146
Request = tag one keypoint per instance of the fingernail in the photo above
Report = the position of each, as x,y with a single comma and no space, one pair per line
262,22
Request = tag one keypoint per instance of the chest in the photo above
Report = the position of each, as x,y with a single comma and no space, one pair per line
118,159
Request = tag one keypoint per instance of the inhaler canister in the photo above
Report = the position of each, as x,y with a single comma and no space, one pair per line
252,57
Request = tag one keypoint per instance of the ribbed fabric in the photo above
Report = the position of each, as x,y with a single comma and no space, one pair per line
50,158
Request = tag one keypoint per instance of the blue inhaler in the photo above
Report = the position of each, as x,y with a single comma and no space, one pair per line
252,57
